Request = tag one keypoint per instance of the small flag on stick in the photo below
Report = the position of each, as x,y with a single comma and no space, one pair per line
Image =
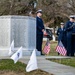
11,49
32,64
61,49
47,47
16,56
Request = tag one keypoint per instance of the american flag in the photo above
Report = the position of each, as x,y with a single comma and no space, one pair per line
61,49
47,47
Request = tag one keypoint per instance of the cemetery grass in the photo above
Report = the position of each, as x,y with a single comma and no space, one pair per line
7,67
66,61
53,45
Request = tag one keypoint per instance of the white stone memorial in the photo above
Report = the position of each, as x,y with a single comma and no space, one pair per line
21,29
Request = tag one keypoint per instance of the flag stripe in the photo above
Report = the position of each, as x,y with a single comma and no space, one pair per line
47,47
61,49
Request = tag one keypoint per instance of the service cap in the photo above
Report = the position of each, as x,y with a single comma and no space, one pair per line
72,16
62,23
39,11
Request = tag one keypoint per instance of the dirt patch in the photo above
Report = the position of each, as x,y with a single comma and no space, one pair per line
39,72
10,73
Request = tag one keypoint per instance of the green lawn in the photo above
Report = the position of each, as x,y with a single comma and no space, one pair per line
7,65
53,47
68,61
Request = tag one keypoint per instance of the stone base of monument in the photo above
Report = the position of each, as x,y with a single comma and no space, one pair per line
28,53
38,53
5,52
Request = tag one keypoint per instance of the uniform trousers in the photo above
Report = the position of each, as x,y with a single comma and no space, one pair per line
69,44
39,40
73,45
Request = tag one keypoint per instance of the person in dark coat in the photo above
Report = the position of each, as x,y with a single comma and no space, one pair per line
69,28
40,30
60,34
73,40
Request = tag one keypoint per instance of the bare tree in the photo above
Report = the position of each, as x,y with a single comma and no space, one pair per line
54,11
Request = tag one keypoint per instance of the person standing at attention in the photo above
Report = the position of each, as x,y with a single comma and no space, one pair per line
60,33
73,39
40,31
69,29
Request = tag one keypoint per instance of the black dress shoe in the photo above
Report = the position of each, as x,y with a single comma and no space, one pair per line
42,54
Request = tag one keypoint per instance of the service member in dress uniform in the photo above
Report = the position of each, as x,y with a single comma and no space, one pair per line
73,38
40,30
60,33
69,28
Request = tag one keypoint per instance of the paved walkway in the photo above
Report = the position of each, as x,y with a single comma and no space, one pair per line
51,67
48,66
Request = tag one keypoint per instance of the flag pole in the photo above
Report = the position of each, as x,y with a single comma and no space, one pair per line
49,41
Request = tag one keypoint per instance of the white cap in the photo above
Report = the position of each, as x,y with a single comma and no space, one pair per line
62,23
39,11
72,16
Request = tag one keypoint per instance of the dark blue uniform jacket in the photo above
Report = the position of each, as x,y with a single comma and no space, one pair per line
69,26
60,34
73,31
39,25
